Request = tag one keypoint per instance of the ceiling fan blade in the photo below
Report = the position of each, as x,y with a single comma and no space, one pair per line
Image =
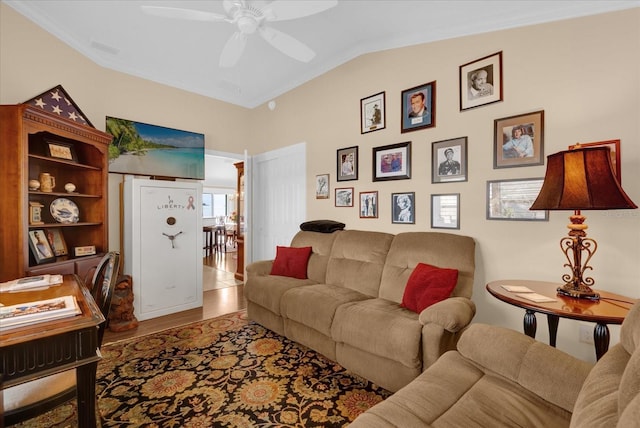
179,13
282,10
233,49
287,44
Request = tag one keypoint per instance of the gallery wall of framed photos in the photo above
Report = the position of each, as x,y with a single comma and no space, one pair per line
420,140
518,141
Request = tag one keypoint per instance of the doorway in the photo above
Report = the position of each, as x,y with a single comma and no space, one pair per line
219,206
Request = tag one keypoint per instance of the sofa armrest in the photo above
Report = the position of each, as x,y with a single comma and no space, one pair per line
453,314
545,371
259,268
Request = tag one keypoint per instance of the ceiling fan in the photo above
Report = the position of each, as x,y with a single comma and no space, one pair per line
251,17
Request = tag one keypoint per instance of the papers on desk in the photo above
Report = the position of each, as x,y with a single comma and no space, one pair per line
30,283
535,297
38,311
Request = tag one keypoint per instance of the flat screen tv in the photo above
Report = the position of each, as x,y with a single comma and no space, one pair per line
142,149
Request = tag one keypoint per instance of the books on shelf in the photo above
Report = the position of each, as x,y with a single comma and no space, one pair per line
30,283
38,311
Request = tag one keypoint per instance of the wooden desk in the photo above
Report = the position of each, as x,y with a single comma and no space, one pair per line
42,349
611,309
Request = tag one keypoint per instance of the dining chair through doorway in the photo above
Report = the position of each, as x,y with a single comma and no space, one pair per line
220,239
209,233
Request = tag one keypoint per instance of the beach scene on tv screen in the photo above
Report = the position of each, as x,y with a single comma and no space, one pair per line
143,149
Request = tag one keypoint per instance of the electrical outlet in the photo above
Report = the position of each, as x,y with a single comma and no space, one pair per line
586,333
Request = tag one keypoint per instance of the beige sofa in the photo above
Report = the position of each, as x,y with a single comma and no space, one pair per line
349,307
502,378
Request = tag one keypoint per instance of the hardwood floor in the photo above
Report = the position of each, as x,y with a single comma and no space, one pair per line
216,302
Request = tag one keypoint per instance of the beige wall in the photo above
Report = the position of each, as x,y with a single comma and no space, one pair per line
584,73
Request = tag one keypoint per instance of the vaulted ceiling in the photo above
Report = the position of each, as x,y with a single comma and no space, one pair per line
121,35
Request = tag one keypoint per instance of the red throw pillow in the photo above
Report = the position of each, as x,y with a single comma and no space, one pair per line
291,262
428,285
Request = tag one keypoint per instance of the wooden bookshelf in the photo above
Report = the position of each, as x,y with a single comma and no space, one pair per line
25,133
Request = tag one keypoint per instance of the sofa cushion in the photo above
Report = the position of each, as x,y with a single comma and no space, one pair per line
428,285
291,262
454,392
382,328
630,386
321,244
630,417
267,290
614,382
597,403
523,360
630,331
357,259
434,248
315,305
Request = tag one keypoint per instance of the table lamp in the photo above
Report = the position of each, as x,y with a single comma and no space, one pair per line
580,179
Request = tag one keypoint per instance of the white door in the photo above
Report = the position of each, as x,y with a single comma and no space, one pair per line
278,199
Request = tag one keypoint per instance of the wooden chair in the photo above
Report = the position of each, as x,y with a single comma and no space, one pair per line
231,237
220,238
208,240
28,400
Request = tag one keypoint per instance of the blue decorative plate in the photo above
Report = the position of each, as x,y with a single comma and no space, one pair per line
64,210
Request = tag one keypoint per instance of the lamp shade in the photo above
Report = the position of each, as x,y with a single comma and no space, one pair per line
581,179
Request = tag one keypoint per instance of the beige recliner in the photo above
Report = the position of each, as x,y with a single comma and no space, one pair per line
501,378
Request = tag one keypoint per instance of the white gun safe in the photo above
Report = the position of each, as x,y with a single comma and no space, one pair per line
163,245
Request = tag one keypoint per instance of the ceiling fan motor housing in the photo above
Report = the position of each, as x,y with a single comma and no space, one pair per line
247,24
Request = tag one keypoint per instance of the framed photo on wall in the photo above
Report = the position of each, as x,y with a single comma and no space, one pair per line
347,163
418,107
322,186
511,199
40,247
403,208
481,82
392,162
369,204
519,140
445,211
344,197
449,160
614,148
372,113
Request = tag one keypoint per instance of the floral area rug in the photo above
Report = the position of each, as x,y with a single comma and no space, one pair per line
223,372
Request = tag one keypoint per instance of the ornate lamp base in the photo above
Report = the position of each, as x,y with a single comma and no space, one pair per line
574,247
569,291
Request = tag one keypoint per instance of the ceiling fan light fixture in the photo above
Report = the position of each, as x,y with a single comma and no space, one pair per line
247,24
